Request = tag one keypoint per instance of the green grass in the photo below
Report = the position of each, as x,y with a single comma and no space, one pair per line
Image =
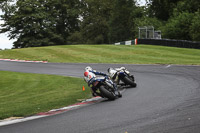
140,54
23,94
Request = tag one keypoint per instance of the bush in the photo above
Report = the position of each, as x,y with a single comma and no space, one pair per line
178,27
195,27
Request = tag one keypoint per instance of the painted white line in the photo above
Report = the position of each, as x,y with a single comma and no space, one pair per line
92,99
168,66
8,122
65,108
16,60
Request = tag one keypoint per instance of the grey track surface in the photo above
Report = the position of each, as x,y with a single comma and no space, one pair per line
166,100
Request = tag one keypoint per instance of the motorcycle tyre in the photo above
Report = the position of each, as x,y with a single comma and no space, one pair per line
106,93
128,81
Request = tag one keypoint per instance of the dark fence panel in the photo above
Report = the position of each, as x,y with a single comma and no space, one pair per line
171,43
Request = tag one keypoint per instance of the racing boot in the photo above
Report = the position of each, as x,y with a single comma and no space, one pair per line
117,92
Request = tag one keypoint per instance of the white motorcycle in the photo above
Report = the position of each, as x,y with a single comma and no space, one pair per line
122,75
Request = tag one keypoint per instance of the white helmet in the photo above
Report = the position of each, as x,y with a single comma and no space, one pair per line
88,68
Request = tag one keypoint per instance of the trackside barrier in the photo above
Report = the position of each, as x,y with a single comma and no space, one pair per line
130,42
170,42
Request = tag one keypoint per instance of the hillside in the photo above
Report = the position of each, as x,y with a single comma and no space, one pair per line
140,54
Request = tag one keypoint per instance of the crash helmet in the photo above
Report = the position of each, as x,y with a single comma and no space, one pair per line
88,75
88,68
110,69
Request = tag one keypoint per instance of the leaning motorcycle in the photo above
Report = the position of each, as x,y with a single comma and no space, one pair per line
105,87
122,75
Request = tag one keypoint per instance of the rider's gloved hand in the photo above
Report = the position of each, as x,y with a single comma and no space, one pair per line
106,77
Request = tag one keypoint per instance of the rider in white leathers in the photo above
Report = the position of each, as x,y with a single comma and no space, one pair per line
113,73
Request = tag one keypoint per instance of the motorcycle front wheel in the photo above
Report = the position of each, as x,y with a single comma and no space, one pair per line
106,93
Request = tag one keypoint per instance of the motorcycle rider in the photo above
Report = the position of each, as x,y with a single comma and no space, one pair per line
117,75
90,75
113,73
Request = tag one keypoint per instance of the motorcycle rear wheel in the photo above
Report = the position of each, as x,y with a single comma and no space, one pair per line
128,81
106,93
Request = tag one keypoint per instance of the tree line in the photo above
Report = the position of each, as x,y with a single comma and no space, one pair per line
36,23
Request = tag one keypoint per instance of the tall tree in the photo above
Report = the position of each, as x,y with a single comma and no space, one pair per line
66,14
184,21
162,9
178,27
95,16
120,26
190,6
195,27
2,2
41,23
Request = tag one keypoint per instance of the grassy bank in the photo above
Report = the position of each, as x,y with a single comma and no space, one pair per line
140,54
23,94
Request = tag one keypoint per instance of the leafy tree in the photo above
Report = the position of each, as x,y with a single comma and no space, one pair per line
41,23
2,2
95,16
181,18
120,26
195,27
66,14
190,6
178,27
162,9
184,22
59,22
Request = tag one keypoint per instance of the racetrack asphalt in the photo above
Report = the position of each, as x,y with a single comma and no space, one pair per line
166,100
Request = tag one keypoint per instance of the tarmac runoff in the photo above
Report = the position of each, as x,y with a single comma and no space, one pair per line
13,120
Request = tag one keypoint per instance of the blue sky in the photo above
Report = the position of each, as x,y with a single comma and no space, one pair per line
6,43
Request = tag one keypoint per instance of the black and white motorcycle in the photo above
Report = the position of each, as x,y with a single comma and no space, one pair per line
121,76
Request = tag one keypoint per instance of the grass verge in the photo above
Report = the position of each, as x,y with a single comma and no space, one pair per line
140,54
24,94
